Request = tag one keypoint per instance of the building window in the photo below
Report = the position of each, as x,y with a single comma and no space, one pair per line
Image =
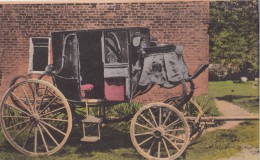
39,54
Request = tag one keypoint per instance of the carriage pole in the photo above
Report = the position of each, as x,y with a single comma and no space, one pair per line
224,118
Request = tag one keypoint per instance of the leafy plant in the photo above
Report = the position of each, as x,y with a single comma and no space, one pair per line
208,105
234,35
123,109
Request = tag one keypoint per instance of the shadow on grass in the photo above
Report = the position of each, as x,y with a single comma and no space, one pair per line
231,98
111,139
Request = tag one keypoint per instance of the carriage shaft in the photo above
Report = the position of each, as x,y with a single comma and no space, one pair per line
224,118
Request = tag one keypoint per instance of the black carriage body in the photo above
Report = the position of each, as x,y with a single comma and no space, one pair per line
104,58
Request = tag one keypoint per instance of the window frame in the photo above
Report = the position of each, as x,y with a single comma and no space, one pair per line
31,53
126,47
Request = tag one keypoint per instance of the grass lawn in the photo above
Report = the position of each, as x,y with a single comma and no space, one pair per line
116,143
227,143
243,94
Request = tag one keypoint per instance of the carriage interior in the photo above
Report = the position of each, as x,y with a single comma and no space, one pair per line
91,65
98,64
100,53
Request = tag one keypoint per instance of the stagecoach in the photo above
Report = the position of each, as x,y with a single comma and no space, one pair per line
99,69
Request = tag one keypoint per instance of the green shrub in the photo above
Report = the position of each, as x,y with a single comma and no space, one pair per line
208,105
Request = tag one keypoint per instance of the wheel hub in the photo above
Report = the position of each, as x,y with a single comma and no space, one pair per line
35,117
159,132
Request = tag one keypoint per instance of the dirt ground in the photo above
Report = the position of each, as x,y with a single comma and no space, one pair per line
229,109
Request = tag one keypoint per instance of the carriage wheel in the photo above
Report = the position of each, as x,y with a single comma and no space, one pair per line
159,131
180,100
193,109
48,78
18,79
35,117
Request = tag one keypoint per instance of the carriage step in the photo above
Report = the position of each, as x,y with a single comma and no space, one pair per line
90,139
91,134
92,119
92,101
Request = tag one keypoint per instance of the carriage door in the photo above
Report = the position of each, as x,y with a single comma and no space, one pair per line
115,58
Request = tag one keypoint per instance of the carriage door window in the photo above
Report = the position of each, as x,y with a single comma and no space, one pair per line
39,54
116,47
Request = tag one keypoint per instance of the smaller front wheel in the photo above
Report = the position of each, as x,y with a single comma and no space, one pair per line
159,131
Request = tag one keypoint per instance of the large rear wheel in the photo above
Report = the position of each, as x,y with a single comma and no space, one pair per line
35,117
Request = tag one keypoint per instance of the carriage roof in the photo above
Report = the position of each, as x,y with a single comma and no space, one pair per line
101,30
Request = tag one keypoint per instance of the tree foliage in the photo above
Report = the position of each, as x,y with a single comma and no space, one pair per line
234,35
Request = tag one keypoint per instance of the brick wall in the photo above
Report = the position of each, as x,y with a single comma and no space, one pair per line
181,23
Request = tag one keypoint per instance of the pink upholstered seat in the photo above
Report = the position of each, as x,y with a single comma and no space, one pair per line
115,92
86,87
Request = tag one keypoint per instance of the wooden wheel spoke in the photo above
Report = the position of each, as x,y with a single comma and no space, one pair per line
174,145
58,114
25,142
147,120
174,136
160,116
149,151
53,111
12,106
54,128
53,94
166,119
153,117
43,96
35,96
146,140
51,119
15,117
49,104
43,139
47,131
27,97
35,139
30,86
173,123
143,126
145,133
17,124
159,149
174,130
166,148
21,131
21,102
33,90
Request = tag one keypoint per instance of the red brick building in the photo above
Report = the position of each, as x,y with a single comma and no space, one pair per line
178,22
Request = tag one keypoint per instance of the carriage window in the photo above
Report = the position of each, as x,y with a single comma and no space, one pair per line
116,47
39,54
